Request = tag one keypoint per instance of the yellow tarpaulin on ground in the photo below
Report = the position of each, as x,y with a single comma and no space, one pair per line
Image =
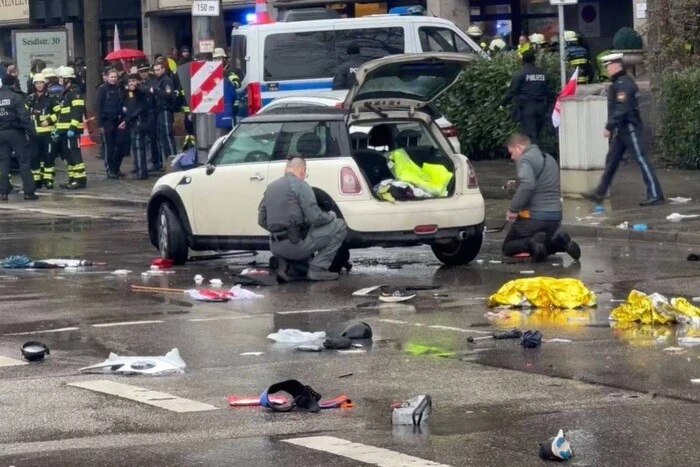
544,292
654,309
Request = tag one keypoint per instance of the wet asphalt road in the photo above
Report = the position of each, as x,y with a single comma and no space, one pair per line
620,397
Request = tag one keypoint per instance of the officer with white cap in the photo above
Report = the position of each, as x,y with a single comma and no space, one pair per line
624,127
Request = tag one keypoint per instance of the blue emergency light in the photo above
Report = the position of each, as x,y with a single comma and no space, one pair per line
415,10
250,18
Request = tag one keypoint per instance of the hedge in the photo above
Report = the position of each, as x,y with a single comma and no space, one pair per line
678,136
473,105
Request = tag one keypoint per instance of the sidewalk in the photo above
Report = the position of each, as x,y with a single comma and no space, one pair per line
580,218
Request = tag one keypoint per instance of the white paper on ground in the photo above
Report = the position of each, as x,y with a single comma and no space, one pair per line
556,340
676,217
121,272
239,293
680,200
295,336
252,354
367,290
169,364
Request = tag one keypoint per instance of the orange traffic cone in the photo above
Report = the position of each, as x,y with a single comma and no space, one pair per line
262,16
86,140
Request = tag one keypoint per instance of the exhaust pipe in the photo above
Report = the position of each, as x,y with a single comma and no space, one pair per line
462,235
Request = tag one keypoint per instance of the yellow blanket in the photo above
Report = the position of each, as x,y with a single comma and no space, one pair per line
544,292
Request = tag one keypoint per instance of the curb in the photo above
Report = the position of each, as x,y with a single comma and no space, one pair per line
116,201
613,233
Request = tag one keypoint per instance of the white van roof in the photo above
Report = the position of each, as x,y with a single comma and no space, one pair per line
352,22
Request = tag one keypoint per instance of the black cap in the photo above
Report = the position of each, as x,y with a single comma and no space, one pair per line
353,48
144,67
9,80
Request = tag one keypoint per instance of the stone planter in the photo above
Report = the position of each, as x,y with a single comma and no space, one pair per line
633,60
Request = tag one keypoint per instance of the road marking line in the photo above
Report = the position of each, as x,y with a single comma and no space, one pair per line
199,320
362,452
45,331
7,361
125,323
320,310
145,396
433,326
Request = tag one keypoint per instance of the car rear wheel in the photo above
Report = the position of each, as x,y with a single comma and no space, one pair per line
172,240
458,251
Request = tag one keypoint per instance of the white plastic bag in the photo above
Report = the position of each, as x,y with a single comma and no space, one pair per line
295,336
239,293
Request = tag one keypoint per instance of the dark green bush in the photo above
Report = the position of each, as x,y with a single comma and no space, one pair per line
678,137
627,39
473,105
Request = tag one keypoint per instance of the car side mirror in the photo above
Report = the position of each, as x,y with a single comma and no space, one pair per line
216,147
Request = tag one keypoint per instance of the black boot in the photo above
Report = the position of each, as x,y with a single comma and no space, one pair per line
77,185
30,197
538,249
564,243
652,202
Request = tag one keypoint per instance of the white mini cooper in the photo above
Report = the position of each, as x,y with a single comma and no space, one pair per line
214,207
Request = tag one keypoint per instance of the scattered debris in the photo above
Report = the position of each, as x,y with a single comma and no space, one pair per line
689,341
359,330
512,334
395,296
216,282
624,226
346,375
24,262
295,336
527,272
495,261
599,209
420,349
680,200
257,276
338,343
414,411
675,350
340,402
367,290
162,263
198,279
309,348
352,351
556,448
303,397
121,272
252,354
34,351
472,339
676,217
695,380
557,340
693,257
531,339
208,295
170,364
640,227
655,309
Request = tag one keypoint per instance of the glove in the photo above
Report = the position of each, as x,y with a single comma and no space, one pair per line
70,133
54,135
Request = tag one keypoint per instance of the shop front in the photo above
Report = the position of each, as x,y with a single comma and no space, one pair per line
13,15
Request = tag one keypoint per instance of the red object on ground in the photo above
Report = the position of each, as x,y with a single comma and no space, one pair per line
125,54
340,402
522,255
162,263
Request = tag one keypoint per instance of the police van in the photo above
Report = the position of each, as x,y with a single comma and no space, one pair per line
284,58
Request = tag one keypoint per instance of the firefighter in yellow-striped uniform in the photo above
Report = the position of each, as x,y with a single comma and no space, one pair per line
41,106
71,111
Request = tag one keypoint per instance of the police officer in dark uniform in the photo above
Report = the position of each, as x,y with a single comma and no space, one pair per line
530,91
137,116
624,126
298,228
16,130
166,97
147,82
110,103
345,76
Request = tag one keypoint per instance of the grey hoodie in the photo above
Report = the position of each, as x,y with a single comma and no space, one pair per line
538,186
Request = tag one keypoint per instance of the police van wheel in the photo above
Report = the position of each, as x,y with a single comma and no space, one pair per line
172,241
459,251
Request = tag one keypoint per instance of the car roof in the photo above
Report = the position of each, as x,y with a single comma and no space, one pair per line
298,114
297,25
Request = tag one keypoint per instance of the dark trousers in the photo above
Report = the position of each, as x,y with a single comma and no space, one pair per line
532,119
138,152
152,141
110,137
15,140
41,157
166,140
624,139
70,152
517,240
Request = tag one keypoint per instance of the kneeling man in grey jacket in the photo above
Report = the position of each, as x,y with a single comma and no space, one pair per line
535,209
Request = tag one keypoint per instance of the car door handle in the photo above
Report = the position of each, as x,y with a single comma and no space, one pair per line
257,177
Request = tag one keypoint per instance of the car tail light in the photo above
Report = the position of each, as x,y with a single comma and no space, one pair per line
472,182
349,182
254,98
425,229
450,132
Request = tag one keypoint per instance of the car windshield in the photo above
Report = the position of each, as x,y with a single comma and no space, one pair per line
260,142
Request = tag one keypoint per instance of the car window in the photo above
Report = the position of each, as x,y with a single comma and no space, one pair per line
238,54
386,136
434,39
250,142
300,55
312,140
373,42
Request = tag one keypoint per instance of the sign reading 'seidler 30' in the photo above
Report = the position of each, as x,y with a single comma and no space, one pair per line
50,46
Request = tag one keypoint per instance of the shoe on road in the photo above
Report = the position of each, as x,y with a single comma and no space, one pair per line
570,246
3,197
30,197
281,269
318,275
652,202
595,197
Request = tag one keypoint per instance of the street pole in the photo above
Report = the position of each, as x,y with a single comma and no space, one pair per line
91,20
562,46
203,27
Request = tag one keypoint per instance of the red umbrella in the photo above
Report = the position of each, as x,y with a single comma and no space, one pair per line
125,54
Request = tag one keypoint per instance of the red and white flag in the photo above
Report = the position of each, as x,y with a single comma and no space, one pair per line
569,90
117,42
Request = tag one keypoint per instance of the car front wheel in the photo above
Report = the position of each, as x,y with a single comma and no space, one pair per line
172,240
458,251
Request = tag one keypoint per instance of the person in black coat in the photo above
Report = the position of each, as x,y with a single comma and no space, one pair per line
110,103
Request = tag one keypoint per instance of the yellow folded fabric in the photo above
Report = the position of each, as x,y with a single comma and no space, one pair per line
544,292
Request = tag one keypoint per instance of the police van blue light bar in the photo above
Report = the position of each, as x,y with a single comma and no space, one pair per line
415,10
250,18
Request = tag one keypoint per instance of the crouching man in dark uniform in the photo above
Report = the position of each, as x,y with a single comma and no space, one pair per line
16,129
536,210
298,228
